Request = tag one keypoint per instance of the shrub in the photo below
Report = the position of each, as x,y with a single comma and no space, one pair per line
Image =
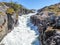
10,10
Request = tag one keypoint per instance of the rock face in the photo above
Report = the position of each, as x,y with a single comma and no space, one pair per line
3,26
48,27
12,21
52,37
7,21
3,22
48,22
12,18
52,9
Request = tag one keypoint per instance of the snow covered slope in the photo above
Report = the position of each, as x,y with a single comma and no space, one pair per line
22,34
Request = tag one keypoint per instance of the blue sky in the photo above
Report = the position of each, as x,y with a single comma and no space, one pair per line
35,4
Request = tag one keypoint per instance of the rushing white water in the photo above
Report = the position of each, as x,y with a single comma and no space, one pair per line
24,34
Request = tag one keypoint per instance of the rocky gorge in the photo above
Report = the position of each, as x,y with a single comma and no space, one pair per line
17,26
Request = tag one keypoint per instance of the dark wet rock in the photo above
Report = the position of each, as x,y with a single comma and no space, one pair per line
10,22
12,18
35,20
53,39
47,27
48,22
57,24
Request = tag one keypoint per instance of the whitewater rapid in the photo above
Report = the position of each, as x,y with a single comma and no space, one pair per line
24,34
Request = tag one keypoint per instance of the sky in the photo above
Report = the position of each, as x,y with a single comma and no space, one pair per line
34,4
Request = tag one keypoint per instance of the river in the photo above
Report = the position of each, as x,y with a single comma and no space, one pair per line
24,34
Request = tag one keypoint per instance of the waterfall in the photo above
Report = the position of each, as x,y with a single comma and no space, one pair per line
23,34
